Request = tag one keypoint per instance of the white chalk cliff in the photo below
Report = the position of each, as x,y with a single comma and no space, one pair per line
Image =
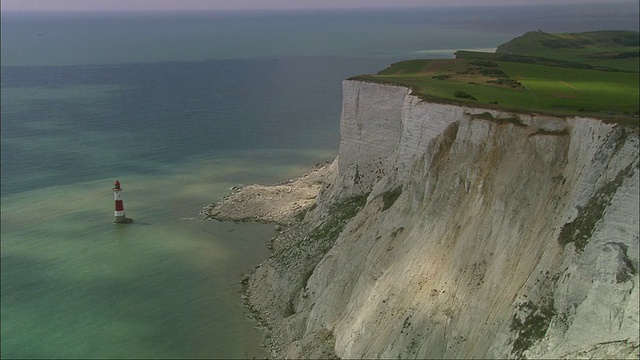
448,231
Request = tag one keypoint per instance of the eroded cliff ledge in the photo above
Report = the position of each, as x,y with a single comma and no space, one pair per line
447,231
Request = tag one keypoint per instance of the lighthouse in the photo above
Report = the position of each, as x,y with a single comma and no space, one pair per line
118,216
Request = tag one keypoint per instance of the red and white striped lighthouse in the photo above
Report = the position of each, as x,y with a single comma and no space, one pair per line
118,215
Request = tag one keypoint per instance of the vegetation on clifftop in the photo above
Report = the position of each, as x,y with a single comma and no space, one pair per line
589,74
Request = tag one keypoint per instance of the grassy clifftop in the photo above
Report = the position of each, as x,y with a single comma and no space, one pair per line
600,49
594,73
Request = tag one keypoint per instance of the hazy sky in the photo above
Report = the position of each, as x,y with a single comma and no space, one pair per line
58,5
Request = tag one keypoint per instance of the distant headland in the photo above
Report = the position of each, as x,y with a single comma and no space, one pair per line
587,74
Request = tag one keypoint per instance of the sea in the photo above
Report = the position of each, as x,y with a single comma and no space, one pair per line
180,107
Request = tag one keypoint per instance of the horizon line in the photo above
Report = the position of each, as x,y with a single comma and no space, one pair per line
312,8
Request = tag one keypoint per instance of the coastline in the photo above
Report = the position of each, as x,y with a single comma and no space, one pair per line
360,255
281,204
285,205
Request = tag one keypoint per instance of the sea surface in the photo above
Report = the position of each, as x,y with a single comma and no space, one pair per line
179,107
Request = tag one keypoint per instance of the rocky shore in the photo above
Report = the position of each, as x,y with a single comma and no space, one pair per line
281,204
284,204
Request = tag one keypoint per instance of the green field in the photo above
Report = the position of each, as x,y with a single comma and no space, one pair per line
594,74
612,49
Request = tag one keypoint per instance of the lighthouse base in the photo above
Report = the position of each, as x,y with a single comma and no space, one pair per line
122,220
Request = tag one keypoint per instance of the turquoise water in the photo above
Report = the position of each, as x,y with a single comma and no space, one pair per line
179,108
75,285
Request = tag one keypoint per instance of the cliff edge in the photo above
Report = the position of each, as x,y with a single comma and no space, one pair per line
448,231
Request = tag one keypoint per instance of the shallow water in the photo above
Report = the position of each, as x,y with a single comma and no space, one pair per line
177,137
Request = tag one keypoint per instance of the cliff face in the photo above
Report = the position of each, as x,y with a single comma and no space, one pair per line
450,231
